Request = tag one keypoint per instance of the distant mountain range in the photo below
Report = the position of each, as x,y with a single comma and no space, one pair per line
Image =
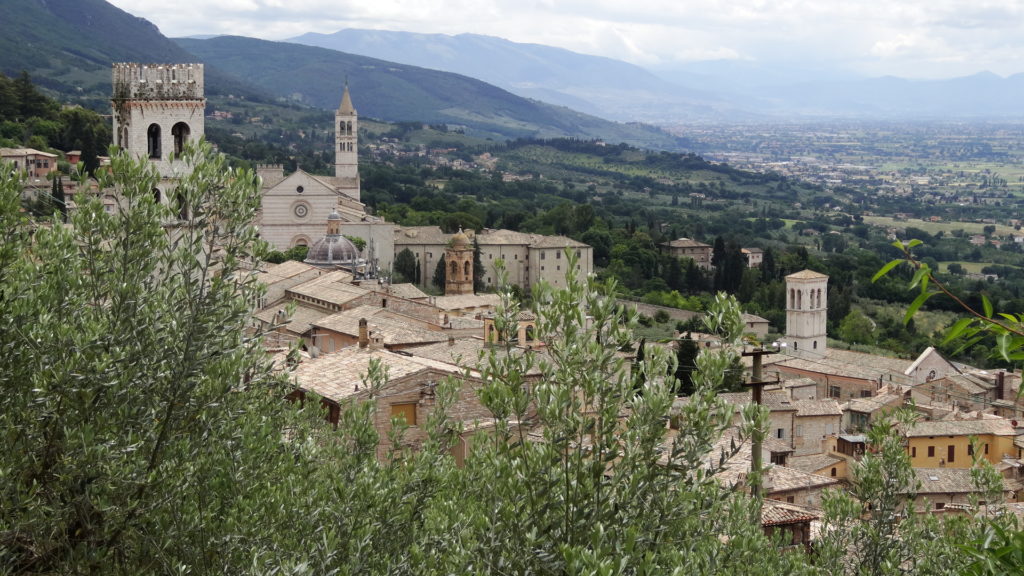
68,46
493,87
731,91
591,84
400,92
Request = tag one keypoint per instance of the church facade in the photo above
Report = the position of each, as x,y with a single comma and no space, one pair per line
294,207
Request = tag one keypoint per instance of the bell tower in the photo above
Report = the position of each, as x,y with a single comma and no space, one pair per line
458,257
806,311
346,136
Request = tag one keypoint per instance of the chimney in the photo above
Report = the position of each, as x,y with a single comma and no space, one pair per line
1000,383
376,340
364,335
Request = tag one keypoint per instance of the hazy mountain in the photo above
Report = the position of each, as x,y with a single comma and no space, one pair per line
722,90
591,84
398,92
69,45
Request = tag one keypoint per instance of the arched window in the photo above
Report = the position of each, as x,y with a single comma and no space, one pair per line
153,141
800,299
182,206
348,128
341,127
466,272
455,270
792,298
181,133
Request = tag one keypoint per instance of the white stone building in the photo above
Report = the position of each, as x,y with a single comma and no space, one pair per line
806,311
294,207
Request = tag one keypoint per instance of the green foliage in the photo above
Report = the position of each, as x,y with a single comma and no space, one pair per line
135,413
405,267
296,253
359,243
856,328
1003,330
33,119
439,280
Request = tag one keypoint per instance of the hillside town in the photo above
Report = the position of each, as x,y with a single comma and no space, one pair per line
342,313
333,318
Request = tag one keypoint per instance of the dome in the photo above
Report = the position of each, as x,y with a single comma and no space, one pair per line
460,239
332,250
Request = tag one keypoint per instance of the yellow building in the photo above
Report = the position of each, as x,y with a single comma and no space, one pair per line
947,443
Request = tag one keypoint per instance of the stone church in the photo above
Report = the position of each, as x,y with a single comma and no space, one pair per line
295,207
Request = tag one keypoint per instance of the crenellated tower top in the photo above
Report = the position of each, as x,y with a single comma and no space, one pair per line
158,81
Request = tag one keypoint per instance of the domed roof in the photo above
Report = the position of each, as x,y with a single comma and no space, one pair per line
332,250
460,239
334,216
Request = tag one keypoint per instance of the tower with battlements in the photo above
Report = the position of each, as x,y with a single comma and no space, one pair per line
158,108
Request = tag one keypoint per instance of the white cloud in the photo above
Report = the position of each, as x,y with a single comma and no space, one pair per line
903,37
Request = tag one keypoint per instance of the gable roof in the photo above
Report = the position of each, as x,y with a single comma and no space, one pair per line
393,331
994,426
341,375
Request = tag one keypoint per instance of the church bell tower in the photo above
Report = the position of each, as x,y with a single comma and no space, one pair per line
346,136
806,311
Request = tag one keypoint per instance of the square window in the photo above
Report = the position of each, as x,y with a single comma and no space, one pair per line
406,411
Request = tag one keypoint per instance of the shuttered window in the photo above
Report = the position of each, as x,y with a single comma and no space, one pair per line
406,411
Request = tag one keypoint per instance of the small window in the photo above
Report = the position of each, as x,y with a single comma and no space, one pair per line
791,499
970,449
780,433
913,451
950,453
940,505
542,255
558,255
299,189
153,141
931,451
834,471
799,431
406,411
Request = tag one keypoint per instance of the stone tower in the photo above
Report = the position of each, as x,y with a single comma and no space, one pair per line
806,311
346,136
157,109
458,257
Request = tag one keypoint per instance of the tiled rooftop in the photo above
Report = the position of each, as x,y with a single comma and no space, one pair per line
340,375
998,427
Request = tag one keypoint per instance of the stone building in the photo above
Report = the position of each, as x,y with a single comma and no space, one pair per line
806,311
157,110
458,261
528,258
408,393
689,248
294,207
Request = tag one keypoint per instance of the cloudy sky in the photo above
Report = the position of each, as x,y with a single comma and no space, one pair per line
909,38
